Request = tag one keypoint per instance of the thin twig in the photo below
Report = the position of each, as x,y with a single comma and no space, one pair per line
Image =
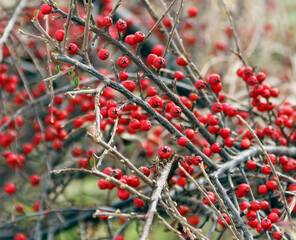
10,25
156,195
156,25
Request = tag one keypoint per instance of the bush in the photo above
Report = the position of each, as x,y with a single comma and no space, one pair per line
109,125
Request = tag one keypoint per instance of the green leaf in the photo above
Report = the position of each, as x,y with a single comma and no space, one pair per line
72,73
76,81
57,67
36,13
84,88
92,161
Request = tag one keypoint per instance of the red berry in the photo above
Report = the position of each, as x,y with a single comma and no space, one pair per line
78,122
152,91
277,211
19,208
103,54
102,184
183,210
264,205
59,35
83,163
196,160
121,25
251,165
200,84
181,61
123,195
283,160
123,75
130,39
277,235
20,236
45,9
178,75
139,37
182,141
175,111
189,133
251,215
130,85
243,190
216,148
36,206
35,180
217,107
28,148
134,124
138,203
255,205
193,220
145,125
260,76
246,143
266,169
229,142
193,97
107,21
146,171
113,112
244,205
77,151
156,102
259,228
164,152
224,132
122,62
214,79
211,196
265,223
9,188
72,48
159,62
192,12
119,237
271,185
273,217
253,223
226,219
262,189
